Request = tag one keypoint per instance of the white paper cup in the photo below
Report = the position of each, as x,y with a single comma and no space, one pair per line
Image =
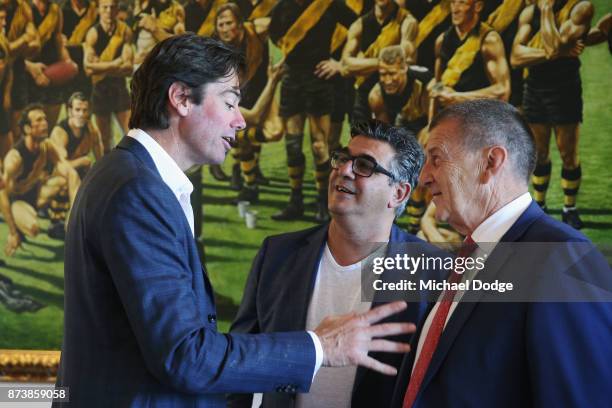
251,219
243,207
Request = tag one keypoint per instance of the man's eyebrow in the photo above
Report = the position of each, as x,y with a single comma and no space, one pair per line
234,90
434,149
367,156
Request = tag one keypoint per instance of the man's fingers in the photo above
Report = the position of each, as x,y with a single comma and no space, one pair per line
390,329
379,313
376,365
389,346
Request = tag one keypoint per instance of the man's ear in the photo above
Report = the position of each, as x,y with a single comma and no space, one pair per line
479,6
497,156
401,192
179,98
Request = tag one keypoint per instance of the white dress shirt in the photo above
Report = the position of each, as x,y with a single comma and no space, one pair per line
182,188
489,232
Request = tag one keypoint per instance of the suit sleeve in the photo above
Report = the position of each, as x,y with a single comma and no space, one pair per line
143,242
246,320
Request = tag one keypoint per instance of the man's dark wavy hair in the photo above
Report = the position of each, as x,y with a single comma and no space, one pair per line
187,58
24,118
408,158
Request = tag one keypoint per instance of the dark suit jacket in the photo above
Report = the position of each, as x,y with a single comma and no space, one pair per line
277,295
140,326
553,354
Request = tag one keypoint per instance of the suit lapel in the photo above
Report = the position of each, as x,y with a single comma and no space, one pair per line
397,236
494,264
137,149
302,275
463,311
531,214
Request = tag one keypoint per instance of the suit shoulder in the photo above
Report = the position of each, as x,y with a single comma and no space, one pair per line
547,229
121,166
297,236
121,179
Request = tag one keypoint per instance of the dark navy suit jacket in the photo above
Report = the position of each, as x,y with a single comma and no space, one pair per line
140,326
277,295
545,354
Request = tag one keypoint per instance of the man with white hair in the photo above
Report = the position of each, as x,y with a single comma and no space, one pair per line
549,347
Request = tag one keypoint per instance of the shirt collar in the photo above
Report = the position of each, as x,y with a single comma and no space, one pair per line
495,227
170,172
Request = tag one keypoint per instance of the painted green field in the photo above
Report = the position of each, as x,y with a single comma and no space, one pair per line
37,269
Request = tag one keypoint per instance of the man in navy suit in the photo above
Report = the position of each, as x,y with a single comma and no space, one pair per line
140,321
369,186
473,350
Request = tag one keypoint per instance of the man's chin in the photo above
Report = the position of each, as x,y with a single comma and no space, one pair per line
216,162
211,161
441,215
336,208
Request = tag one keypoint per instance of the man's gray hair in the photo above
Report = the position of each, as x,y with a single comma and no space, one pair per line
392,54
408,159
490,122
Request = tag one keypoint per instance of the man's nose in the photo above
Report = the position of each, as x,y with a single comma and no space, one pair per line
425,176
239,123
346,169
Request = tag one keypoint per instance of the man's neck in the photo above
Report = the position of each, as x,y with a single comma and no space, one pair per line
239,38
382,13
169,140
41,5
32,144
465,29
108,27
77,6
76,130
495,201
350,242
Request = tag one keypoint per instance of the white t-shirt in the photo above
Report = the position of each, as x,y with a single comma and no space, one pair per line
337,290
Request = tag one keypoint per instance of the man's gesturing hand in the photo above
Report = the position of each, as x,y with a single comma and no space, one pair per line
347,339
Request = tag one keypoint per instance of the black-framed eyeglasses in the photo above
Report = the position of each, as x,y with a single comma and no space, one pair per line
363,165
